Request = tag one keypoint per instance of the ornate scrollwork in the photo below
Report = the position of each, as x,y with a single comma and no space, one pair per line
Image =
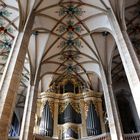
86,106
75,106
51,106
73,127
71,11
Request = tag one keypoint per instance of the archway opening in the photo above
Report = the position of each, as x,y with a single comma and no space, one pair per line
126,113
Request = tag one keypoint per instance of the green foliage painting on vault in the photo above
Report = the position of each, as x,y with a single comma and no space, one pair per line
70,28
70,43
71,11
6,37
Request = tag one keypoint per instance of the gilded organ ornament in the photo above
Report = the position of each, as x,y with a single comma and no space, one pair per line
72,127
86,108
51,106
75,106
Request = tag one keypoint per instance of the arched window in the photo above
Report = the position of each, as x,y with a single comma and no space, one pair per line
125,113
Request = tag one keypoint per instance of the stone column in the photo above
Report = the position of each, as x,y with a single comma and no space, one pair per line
128,64
28,120
100,110
11,79
83,116
55,117
115,109
114,126
132,52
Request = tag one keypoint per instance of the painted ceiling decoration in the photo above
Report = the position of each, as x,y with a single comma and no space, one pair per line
71,27
8,31
9,26
73,47
69,55
70,50
69,30
5,33
70,10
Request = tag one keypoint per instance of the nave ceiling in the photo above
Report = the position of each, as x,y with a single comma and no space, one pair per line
69,45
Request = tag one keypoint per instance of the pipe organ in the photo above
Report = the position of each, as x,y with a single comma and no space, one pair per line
69,115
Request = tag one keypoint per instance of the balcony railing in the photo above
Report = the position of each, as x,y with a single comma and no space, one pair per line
105,136
13,138
38,137
99,137
133,136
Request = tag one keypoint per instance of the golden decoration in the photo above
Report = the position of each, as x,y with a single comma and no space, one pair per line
51,106
74,128
86,108
96,108
75,106
62,107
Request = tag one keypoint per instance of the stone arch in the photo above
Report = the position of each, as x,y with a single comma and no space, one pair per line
123,98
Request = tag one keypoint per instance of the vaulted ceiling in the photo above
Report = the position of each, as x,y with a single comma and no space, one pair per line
70,39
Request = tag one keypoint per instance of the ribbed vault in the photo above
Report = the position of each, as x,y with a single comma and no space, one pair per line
70,40
94,45
51,33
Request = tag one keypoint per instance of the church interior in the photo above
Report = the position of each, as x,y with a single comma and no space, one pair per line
69,69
